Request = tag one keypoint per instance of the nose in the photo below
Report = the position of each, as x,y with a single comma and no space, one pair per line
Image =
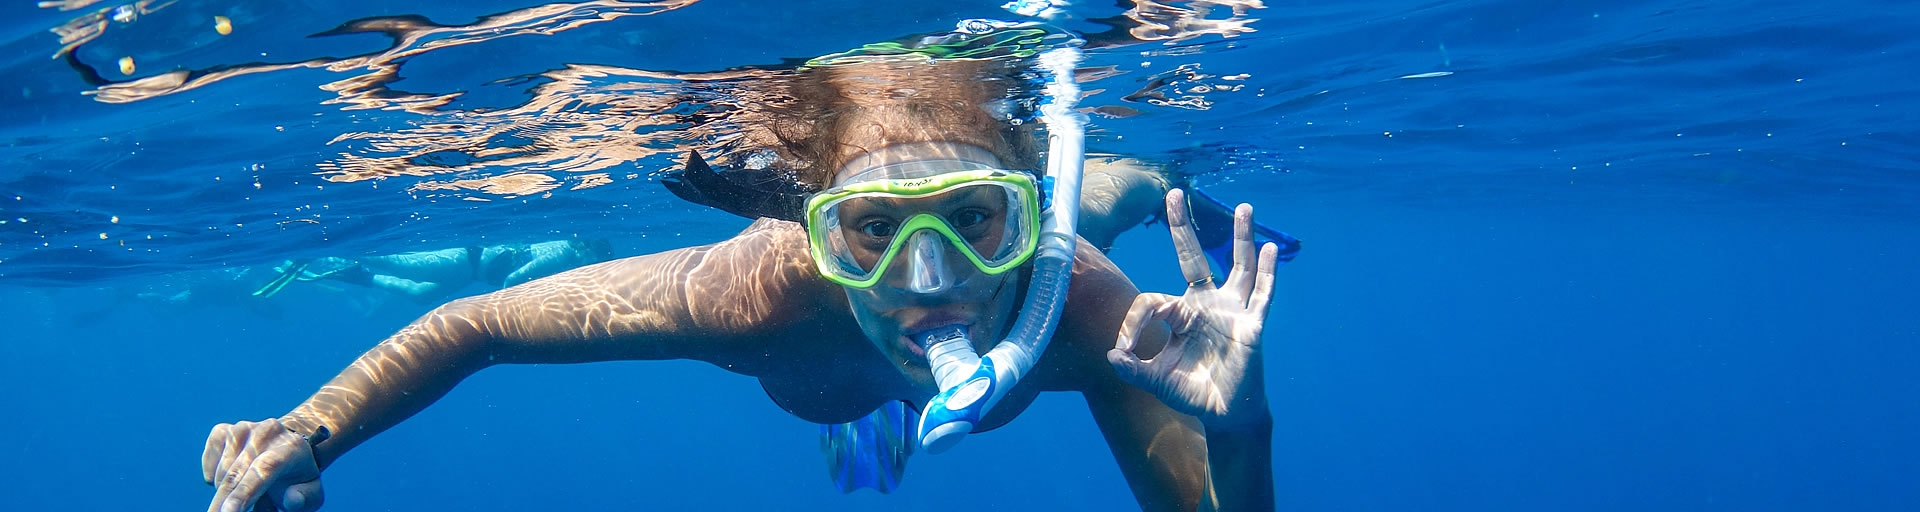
927,269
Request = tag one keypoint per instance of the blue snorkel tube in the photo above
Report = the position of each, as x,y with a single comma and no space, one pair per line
970,385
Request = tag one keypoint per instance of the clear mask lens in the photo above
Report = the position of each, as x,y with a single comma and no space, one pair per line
989,222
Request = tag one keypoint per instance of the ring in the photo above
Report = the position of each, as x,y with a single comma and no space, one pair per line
1201,281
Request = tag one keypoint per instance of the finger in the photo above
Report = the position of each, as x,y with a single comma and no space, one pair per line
1186,243
301,497
1143,309
216,445
253,482
232,460
235,450
271,501
1263,283
1240,278
222,488
1177,323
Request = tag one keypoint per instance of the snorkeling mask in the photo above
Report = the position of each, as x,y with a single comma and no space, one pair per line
990,216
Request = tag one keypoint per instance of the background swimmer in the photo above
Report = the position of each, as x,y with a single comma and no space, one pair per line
433,275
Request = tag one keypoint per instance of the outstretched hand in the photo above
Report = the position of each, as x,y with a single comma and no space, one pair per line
1211,367
260,466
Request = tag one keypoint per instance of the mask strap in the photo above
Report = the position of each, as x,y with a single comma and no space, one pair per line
915,160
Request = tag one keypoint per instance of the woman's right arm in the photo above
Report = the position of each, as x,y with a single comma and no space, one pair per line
705,303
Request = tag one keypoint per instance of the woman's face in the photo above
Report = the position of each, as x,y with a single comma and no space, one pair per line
929,283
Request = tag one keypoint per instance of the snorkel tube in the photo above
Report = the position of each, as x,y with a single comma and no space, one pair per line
970,385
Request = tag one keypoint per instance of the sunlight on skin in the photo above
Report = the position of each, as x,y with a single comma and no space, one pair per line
755,305
592,306
712,303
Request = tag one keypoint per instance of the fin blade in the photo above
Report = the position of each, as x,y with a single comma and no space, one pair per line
871,452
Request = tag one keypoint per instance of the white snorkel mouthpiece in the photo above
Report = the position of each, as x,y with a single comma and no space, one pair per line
971,385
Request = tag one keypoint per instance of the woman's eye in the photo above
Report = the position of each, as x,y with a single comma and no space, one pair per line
878,229
967,218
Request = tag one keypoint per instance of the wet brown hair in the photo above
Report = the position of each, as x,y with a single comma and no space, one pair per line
840,112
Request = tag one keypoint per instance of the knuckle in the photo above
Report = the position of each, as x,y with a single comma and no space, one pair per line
264,432
263,470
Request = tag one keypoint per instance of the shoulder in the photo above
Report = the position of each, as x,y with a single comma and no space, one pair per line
766,267
1097,301
756,280
1097,298
774,249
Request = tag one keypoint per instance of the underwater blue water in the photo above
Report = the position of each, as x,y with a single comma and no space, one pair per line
1650,255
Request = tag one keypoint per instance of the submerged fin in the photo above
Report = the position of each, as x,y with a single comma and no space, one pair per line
872,451
289,272
352,271
1213,221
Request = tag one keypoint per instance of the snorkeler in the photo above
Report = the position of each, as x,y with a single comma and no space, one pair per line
925,232
1116,195
430,275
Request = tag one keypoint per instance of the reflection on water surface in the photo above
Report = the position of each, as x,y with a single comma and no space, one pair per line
581,124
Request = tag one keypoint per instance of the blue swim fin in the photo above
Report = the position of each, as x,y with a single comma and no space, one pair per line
1213,221
871,451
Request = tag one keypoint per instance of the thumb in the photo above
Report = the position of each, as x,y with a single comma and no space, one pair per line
300,497
1131,369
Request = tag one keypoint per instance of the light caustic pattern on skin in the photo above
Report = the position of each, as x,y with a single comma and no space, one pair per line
586,312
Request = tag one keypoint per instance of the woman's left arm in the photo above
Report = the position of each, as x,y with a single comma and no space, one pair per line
1173,462
1176,456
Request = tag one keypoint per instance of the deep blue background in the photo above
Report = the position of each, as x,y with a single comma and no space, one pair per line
1642,255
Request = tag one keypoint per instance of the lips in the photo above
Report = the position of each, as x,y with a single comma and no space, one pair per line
933,319
913,348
